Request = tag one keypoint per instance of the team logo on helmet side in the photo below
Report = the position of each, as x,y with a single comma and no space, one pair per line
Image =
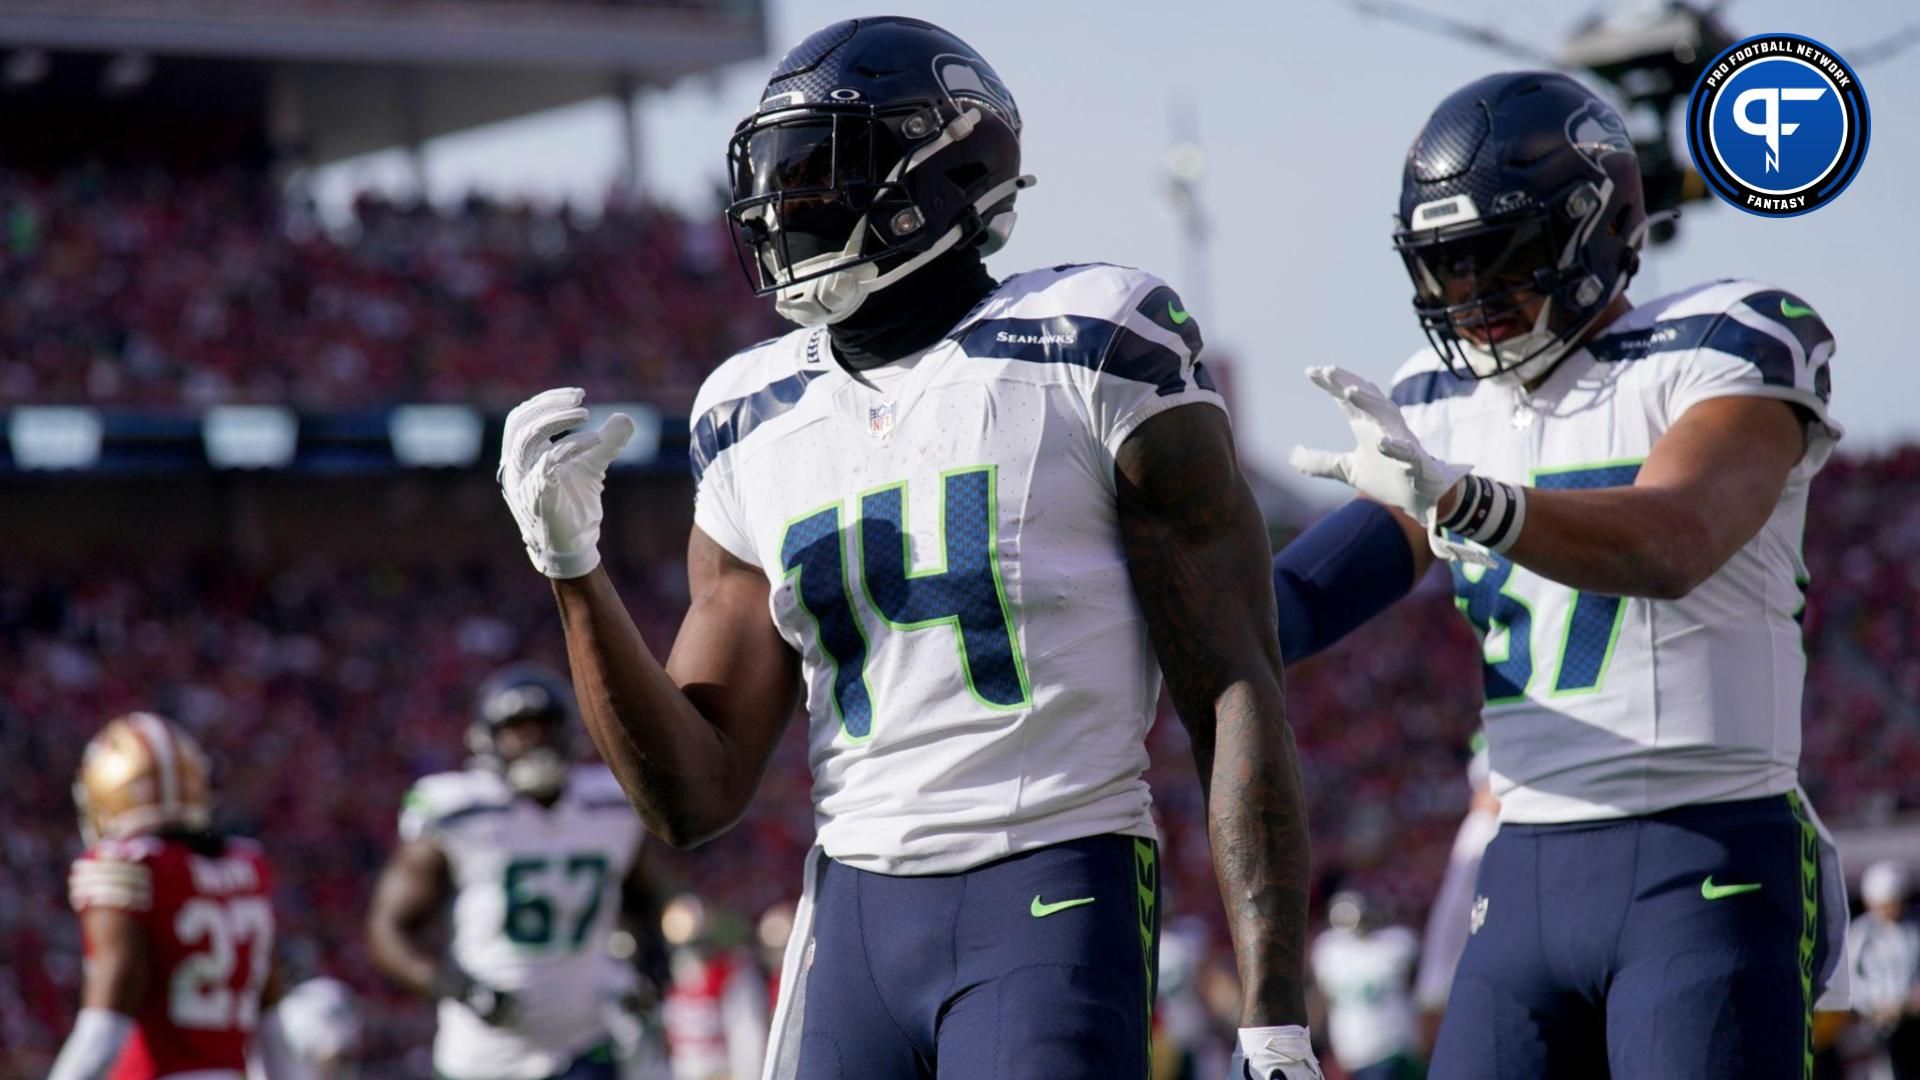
967,79
1596,131
1778,125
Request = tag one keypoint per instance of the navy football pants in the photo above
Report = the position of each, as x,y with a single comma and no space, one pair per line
1677,945
1040,966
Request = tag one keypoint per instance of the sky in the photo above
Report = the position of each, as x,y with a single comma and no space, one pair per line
1304,111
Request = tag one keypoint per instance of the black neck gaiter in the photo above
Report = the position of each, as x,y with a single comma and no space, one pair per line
914,313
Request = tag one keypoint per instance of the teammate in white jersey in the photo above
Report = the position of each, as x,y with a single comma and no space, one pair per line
1365,973
538,860
1624,527
968,516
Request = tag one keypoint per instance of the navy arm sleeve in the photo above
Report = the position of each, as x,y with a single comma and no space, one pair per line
1346,568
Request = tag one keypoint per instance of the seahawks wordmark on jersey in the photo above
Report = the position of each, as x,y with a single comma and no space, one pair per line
1600,707
945,556
536,893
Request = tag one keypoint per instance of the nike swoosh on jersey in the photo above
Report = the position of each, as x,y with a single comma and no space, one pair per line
1178,316
1041,910
1792,310
1710,891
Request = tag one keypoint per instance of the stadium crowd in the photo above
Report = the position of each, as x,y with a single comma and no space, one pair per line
322,688
159,290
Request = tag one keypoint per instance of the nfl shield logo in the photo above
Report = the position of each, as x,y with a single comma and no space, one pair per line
880,420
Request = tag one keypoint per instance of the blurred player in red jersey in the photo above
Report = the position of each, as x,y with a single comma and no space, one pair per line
177,921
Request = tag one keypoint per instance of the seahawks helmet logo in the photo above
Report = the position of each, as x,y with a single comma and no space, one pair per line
969,79
1596,131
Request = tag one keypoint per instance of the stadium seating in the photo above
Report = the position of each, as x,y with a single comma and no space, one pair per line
156,290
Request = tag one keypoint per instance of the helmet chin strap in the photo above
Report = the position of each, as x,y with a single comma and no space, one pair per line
829,298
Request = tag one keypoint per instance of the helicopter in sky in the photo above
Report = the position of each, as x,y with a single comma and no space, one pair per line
1649,54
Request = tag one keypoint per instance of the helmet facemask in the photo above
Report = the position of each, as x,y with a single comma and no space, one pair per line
824,210
1472,279
540,770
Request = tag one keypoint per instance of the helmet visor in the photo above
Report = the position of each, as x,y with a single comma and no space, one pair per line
807,185
1480,264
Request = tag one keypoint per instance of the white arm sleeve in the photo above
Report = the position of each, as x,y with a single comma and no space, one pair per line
1448,924
743,1012
94,1045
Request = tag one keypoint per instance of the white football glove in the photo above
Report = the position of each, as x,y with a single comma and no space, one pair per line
1387,463
1274,1053
553,488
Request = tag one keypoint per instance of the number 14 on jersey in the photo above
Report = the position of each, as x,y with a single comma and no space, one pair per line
963,594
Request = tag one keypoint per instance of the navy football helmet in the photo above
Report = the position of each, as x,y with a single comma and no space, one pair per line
878,145
516,694
1522,186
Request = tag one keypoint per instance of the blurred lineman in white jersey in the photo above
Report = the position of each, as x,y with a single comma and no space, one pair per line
1365,973
537,861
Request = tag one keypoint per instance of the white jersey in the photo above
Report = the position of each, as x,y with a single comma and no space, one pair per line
536,894
1598,707
943,546
1367,979
1884,958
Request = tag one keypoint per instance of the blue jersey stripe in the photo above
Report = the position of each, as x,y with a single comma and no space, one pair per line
1160,308
1667,335
1773,357
1427,387
730,421
1794,315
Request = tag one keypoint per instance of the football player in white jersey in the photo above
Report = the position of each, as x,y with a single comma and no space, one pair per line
538,860
1620,492
1365,972
967,516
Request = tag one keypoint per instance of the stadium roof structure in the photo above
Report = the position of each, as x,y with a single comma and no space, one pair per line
350,76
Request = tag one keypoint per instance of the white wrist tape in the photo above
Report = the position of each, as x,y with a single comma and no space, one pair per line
94,1045
1489,513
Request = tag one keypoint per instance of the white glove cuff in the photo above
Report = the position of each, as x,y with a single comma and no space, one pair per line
563,565
1267,1048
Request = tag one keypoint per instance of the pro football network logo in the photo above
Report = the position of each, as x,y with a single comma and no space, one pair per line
1778,125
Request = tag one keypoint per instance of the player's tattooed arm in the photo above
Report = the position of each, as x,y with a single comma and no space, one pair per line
1198,554
689,740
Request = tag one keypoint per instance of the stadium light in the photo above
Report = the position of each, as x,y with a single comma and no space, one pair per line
54,437
125,73
435,436
250,436
24,67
